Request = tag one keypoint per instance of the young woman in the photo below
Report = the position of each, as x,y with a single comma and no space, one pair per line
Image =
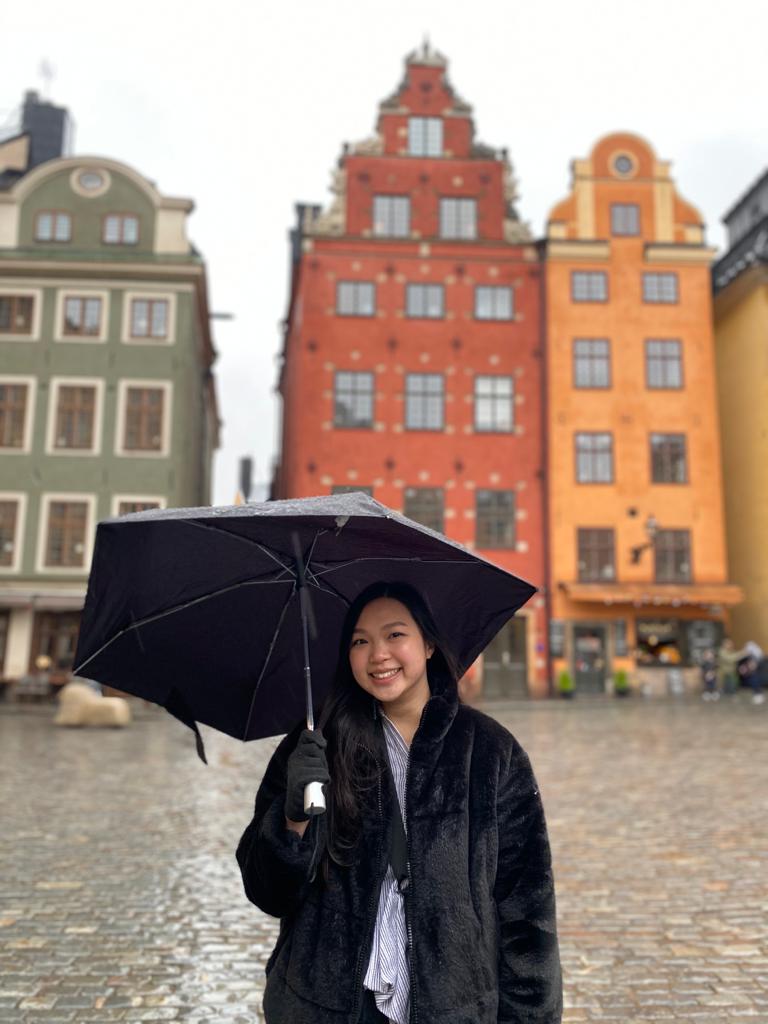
448,918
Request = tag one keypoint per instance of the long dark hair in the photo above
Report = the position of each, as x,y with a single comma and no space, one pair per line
348,717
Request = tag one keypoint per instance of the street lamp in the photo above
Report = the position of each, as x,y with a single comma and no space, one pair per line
651,529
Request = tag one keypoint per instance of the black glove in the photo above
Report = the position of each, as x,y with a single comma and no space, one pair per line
306,764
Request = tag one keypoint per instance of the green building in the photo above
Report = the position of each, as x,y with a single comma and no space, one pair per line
107,397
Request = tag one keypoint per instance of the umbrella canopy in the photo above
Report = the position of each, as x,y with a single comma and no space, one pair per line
198,609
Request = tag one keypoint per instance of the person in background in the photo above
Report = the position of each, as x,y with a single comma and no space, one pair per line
727,671
708,667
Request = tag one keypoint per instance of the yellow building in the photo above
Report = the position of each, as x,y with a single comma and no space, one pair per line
740,281
637,559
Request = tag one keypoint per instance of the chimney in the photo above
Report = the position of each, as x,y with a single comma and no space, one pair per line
48,127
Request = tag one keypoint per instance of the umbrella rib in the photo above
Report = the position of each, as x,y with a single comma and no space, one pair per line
272,643
172,611
393,558
245,540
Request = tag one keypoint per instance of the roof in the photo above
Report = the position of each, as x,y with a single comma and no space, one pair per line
757,184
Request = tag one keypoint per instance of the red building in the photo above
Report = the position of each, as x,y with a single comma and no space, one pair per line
412,357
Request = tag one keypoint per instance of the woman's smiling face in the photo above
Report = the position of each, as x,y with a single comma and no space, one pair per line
388,654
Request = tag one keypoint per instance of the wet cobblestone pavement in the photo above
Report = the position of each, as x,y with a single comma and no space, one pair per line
120,898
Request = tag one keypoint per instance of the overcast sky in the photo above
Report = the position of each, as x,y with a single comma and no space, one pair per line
243,106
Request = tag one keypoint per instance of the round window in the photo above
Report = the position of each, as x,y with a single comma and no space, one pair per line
623,164
90,180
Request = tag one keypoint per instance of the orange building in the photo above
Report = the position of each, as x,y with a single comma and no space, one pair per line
638,574
412,352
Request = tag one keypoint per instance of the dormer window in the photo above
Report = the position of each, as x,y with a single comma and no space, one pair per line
120,229
425,136
53,226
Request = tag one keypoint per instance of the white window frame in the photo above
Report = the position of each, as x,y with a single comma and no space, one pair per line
117,498
148,296
56,383
122,394
425,136
29,413
90,528
20,498
80,293
36,294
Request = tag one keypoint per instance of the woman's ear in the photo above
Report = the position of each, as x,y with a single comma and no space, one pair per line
430,650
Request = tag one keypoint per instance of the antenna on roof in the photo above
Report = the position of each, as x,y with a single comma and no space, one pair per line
47,72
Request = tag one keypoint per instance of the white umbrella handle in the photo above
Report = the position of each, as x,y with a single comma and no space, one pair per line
314,798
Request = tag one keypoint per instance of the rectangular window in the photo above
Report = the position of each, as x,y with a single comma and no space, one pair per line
424,400
458,218
82,316
392,216
589,286
673,556
16,314
56,635
494,519
425,300
494,404
625,219
120,229
494,302
660,288
353,399
356,298
125,508
352,488
591,363
9,516
75,417
53,226
668,462
663,363
597,555
13,414
65,541
594,458
149,318
425,136
425,505
143,429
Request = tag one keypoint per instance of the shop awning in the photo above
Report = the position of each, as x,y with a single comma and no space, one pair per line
655,594
43,600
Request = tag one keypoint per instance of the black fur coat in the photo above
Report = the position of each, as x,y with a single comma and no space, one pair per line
481,905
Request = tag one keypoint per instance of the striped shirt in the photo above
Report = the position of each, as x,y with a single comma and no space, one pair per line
387,975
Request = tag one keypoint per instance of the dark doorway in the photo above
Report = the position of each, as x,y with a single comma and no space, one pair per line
4,617
589,659
55,634
505,663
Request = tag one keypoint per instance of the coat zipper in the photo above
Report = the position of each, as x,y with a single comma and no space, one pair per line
372,905
413,1014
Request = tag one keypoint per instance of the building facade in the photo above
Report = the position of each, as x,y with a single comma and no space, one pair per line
107,399
638,572
740,282
412,352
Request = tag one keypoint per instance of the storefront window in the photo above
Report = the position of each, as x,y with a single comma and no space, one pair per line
676,642
659,642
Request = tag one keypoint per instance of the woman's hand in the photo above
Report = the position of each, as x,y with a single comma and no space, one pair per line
306,764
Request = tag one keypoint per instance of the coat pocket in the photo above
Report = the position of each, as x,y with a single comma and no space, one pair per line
323,955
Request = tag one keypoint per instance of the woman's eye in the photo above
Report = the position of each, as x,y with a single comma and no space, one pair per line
359,640
397,634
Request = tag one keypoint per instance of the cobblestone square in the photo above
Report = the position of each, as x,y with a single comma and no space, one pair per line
120,898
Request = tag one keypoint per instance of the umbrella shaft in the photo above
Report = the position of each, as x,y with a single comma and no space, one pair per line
310,709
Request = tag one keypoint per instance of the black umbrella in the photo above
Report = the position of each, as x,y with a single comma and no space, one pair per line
200,609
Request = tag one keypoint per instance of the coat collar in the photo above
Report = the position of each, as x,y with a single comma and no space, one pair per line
439,711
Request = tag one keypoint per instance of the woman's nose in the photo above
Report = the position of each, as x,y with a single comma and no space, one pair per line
379,652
